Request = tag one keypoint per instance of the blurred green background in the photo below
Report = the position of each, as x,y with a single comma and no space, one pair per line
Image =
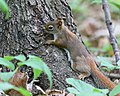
89,17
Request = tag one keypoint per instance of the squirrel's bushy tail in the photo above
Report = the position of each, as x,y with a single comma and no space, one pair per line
100,80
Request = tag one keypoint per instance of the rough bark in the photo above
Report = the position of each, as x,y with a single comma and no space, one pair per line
24,33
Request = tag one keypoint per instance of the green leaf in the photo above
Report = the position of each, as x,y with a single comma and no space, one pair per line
48,72
105,91
73,90
36,73
33,57
81,88
4,8
43,67
118,63
20,58
109,66
6,75
106,63
115,3
107,47
115,91
8,58
7,63
74,83
37,64
24,91
5,86
34,63
97,1
117,67
104,59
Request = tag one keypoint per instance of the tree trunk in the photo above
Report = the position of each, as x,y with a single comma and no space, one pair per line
24,33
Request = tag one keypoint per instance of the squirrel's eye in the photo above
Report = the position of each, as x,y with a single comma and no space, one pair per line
50,27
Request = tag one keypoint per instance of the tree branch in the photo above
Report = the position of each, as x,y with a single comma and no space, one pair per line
108,20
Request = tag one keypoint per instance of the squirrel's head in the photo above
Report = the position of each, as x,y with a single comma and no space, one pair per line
54,27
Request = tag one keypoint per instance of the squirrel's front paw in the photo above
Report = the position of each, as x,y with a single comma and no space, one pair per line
83,75
49,41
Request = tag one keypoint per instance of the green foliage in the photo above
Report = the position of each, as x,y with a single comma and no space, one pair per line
118,63
7,63
107,47
6,75
107,64
38,65
118,39
76,5
19,57
36,73
35,62
81,88
96,1
87,43
4,8
115,91
6,86
23,91
79,8
115,3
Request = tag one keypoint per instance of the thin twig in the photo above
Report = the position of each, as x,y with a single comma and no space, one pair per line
108,20
112,75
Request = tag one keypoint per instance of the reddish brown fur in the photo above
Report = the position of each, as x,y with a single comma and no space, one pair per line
104,80
82,60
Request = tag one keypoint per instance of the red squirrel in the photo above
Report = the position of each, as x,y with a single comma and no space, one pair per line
83,62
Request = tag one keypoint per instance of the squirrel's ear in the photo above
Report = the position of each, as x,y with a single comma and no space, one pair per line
60,23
